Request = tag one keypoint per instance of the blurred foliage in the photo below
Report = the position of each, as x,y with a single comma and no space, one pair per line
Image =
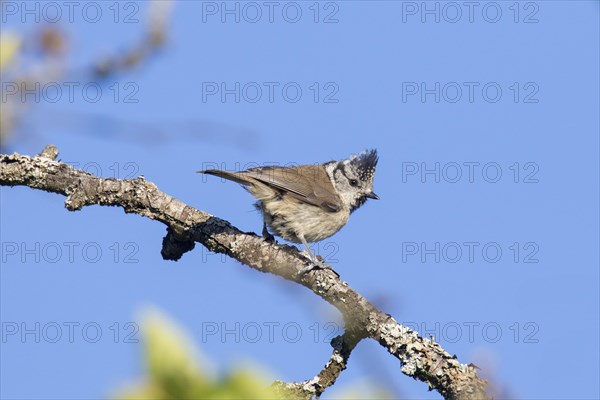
9,45
174,371
29,61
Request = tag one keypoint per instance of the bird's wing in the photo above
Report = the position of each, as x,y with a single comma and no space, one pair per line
307,183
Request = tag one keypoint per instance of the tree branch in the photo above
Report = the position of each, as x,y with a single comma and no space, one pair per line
342,347
421,358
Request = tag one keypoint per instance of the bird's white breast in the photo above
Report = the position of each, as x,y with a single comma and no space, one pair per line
313,222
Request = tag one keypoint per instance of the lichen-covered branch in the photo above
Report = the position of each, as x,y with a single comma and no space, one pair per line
421,358
342,347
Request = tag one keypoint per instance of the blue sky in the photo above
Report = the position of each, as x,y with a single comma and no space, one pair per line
486,234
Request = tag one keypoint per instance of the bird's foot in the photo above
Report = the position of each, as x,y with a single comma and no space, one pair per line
316,264
267,236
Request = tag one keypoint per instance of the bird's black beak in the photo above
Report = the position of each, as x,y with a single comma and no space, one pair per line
372,195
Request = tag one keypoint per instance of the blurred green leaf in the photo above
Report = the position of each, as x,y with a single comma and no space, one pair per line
174,372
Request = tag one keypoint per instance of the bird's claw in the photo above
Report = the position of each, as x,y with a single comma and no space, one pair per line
316,264
267,236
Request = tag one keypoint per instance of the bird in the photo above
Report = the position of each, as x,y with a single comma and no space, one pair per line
308,203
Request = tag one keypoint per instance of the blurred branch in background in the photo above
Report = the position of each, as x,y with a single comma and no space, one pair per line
154,39
32,62
28,62
139,133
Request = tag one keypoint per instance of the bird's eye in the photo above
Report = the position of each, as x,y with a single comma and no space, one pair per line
353,182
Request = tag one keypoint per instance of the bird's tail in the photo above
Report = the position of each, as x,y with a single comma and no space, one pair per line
238,177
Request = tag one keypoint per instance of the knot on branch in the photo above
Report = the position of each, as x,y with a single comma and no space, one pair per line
175,245
77,199
50,152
